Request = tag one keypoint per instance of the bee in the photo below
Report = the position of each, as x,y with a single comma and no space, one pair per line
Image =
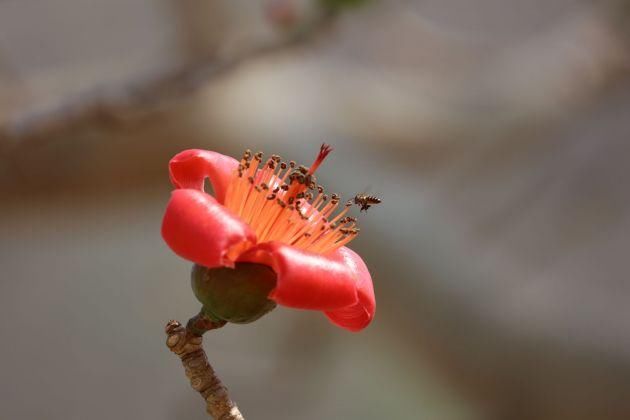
366,201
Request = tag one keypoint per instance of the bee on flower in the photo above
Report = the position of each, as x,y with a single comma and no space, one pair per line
272,214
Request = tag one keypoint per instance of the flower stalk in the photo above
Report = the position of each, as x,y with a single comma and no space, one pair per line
186,343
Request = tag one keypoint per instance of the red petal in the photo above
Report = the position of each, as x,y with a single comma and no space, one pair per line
190,168
201,230
357,316
307,280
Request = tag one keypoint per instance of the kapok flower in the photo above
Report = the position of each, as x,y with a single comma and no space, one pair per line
275,214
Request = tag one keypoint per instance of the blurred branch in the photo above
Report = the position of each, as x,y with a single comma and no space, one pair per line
141,97
539,79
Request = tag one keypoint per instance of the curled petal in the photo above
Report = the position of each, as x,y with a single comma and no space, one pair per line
357,316
307,280
199,229
190,168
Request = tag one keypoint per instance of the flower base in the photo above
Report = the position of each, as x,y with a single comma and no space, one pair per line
238,295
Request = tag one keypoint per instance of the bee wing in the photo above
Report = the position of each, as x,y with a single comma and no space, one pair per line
366,190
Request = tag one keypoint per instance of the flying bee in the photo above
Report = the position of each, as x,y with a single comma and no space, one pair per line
366,201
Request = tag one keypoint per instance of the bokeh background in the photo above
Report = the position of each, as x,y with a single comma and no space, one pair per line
497,133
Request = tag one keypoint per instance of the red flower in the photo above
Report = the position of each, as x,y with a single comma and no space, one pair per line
273,214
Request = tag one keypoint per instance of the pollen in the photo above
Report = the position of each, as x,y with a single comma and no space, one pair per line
282,202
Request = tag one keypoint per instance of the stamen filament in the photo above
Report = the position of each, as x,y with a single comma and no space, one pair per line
278,200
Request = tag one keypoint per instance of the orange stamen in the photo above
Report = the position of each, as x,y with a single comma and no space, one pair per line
278,210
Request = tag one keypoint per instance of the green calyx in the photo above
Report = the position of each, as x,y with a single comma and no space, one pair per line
238,295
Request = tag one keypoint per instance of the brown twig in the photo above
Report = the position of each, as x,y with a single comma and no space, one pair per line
186,342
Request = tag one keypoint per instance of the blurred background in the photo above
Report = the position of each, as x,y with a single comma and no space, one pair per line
496,132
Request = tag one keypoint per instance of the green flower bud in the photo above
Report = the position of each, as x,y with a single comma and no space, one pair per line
237,295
